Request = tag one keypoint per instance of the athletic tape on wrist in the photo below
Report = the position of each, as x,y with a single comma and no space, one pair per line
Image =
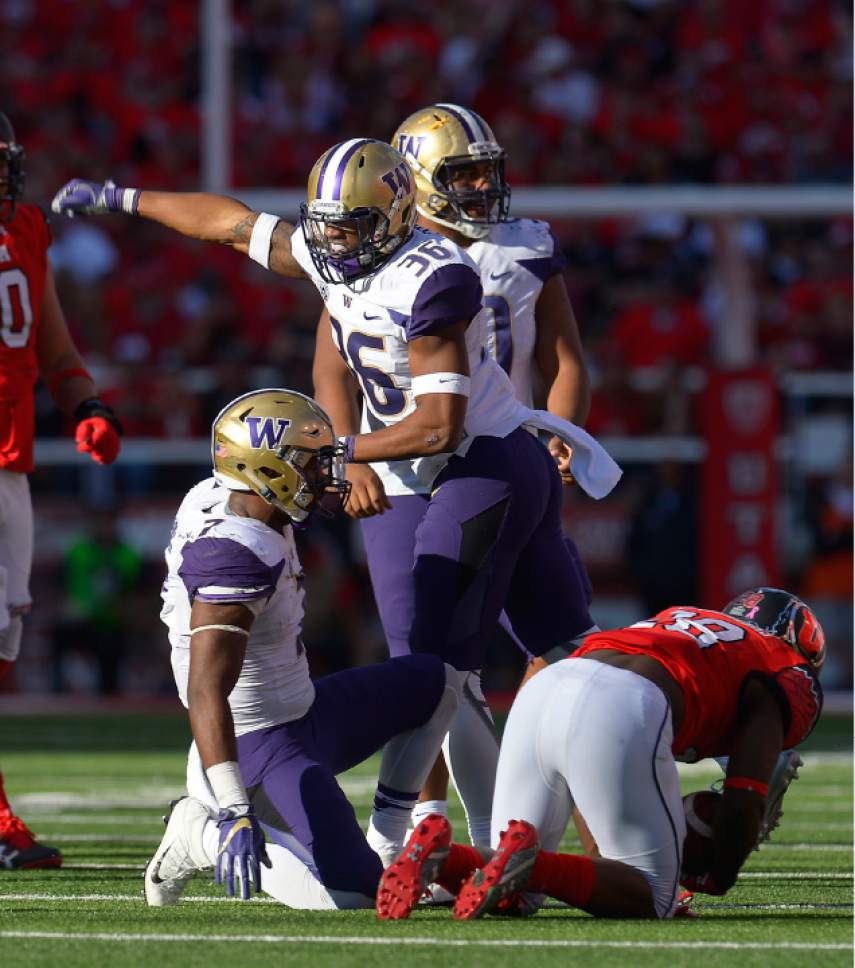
746,783
227,784
130,200
441,383
348,444
259,241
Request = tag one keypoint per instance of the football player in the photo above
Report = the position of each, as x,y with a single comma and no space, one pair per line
268,740
461,194
405,313
34,342
602,731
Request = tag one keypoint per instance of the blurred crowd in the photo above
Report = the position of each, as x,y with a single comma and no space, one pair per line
581,91
578,92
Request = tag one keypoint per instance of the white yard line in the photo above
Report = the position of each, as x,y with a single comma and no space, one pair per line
222,899
796,875
428,942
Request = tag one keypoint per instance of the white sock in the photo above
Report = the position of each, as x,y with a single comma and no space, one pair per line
426,807
407,761
472,753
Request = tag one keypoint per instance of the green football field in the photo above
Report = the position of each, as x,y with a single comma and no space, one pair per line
96,787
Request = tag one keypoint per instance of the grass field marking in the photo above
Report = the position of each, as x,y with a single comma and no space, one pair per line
222,899
104,867
818,847
796,875
431,942
105,838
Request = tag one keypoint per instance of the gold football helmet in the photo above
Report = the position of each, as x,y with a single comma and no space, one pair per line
360,208
281,445
451,150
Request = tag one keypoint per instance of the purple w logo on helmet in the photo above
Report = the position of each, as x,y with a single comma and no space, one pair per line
398,179
266,431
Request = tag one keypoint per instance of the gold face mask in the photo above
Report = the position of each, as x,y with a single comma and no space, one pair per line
280,445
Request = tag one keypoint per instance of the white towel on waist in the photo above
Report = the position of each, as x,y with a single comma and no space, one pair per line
595,471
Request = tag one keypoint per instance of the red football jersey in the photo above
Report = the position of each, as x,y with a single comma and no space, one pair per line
24,242
711,656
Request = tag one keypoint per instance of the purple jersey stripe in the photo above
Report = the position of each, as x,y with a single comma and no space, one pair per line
343,164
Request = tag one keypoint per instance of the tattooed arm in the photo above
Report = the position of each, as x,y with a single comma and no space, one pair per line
217,218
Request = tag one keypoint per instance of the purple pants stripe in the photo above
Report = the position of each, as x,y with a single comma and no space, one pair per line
291,767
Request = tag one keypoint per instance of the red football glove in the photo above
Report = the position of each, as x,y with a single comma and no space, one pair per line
702,884
98,438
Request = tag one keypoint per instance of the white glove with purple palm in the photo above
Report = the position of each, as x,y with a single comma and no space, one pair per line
241,850
79,197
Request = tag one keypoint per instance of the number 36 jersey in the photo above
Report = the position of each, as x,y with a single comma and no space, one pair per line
24,242
711,656
427,285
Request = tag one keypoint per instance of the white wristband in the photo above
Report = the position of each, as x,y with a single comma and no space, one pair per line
441,383
226,782
259,241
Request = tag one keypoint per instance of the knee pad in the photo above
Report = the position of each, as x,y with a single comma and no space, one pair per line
10,639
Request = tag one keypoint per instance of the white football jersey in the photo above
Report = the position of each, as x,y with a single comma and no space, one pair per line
429,283
515,260
216,556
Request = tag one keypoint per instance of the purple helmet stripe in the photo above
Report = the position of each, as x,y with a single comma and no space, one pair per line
320,189
455,112
343,164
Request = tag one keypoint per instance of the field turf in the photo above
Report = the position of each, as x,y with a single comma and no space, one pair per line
96,786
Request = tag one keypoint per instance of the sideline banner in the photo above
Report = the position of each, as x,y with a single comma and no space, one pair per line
739,484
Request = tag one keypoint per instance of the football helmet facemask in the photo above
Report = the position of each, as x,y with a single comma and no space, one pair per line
452,150
360,208
776,612
12,172
280,445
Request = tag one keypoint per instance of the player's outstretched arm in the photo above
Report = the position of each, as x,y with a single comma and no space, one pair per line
198,215
61,366
439,364
217,648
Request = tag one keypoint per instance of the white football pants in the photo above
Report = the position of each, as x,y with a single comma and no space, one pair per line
591,735
16,559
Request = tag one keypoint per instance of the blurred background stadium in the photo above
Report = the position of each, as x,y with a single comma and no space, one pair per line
694,158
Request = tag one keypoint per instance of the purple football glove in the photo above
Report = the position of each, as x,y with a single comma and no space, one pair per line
79,197
241,851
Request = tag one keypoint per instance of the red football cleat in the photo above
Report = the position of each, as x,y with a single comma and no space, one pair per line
496,886
406,879
19,849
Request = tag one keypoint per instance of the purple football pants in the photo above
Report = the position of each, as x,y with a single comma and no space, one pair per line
489,537
290,769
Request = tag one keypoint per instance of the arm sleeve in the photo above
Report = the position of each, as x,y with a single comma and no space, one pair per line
546,266
803,695
220,571
449,294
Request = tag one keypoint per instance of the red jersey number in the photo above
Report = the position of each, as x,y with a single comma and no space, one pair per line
704,630
16,312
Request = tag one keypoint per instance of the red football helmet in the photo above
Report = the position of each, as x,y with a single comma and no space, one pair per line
779,613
